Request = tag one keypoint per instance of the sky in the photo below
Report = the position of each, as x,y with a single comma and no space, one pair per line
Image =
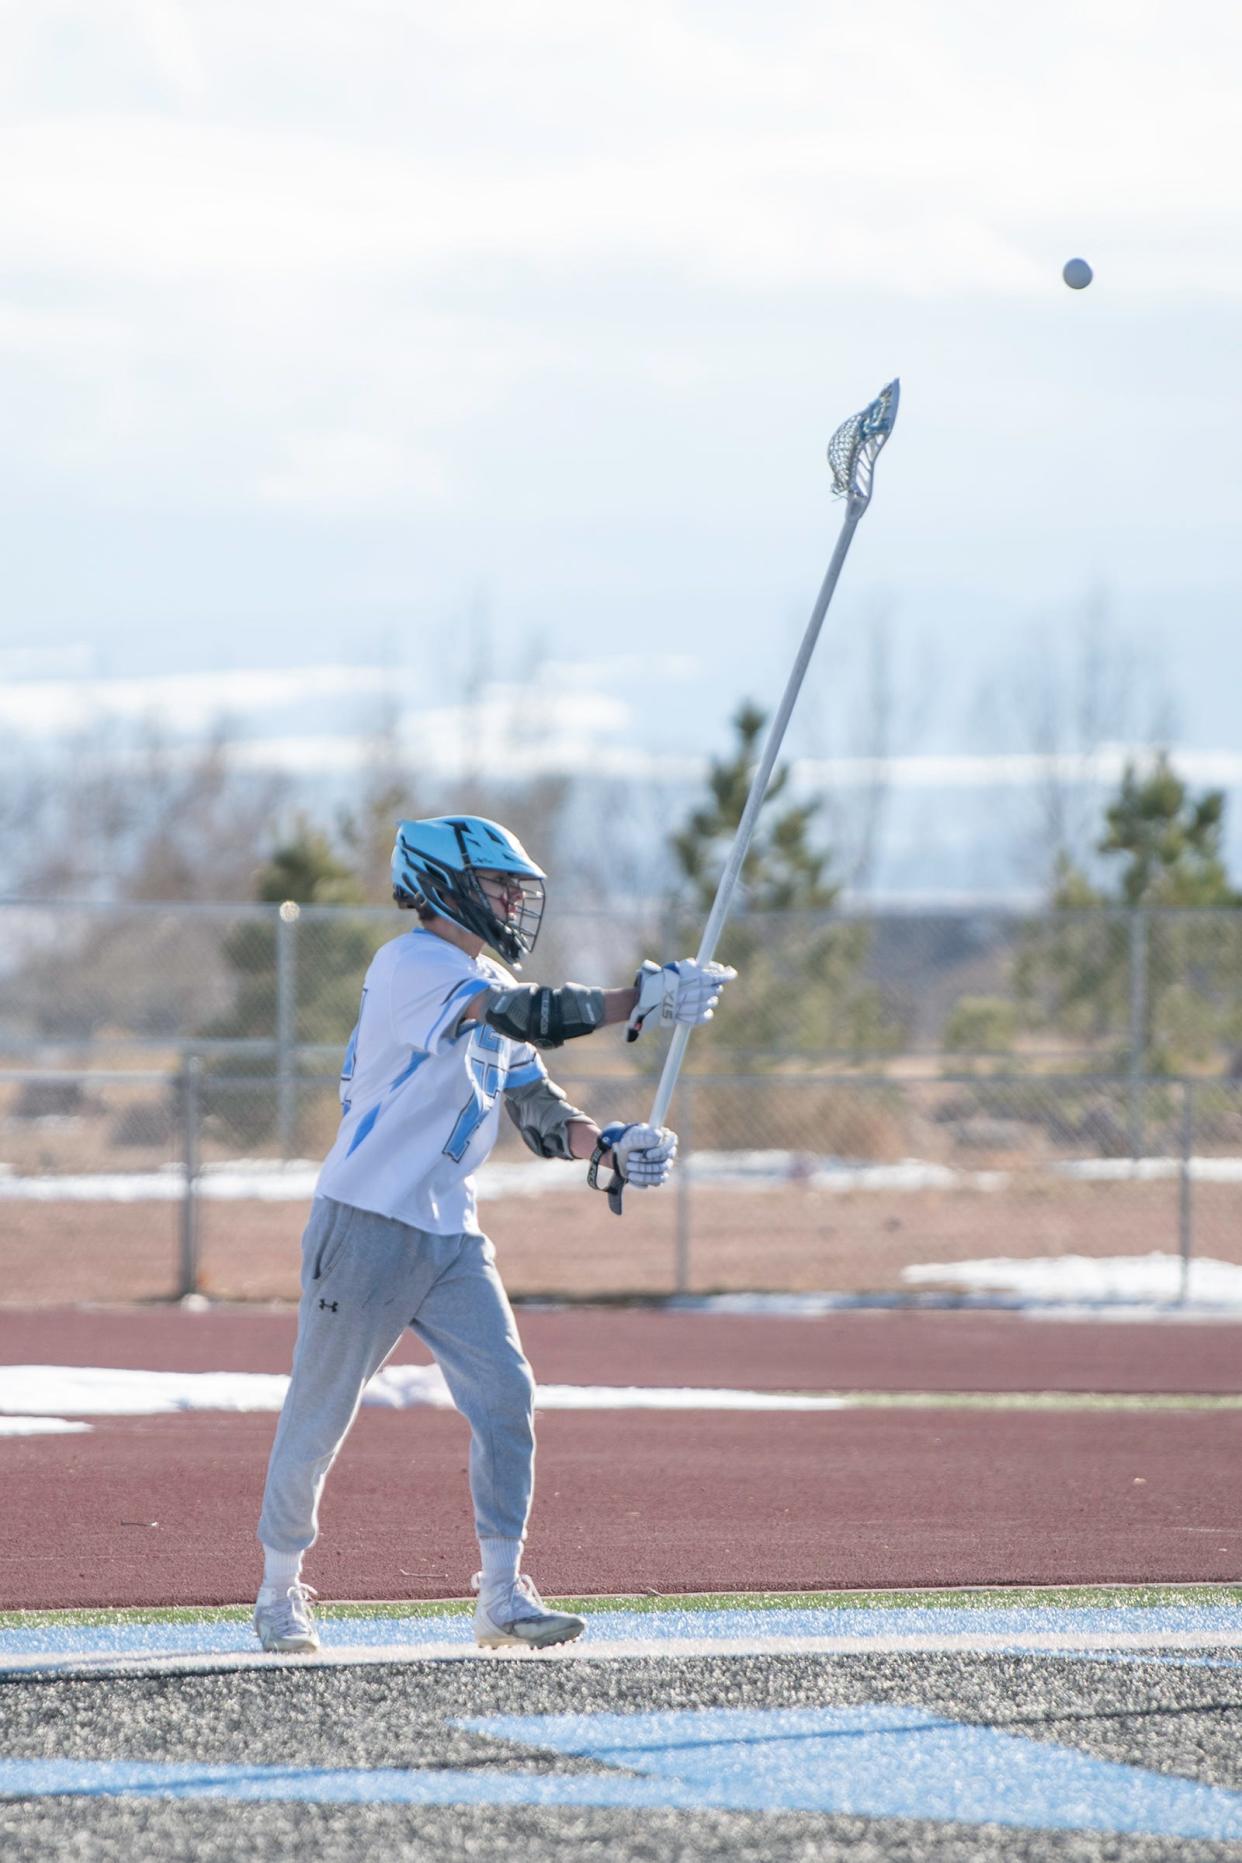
478,362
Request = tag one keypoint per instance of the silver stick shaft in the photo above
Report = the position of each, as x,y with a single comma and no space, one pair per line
754,802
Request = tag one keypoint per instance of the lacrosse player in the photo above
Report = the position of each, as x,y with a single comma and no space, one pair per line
444,1035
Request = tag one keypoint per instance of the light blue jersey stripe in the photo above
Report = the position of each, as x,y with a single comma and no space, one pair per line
364,1126
407,1073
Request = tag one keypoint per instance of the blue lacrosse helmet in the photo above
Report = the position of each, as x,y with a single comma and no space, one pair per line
437,864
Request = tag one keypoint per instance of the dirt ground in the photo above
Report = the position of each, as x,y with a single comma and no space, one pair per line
792,1239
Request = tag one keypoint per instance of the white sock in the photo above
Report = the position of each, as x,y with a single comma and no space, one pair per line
501,1561
280,1569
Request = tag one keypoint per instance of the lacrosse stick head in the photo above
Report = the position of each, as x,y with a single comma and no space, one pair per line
854,447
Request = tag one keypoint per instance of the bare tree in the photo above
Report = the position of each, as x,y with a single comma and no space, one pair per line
387,791
874,715
114,813
1077,692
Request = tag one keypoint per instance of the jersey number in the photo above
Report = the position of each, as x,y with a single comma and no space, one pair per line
486,1080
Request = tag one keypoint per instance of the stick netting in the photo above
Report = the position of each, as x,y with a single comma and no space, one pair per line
853,448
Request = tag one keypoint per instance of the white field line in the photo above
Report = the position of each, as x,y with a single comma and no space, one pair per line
1035,1642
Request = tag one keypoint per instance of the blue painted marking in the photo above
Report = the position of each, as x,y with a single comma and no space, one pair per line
321,1786
205,1638
880,1762
867,1761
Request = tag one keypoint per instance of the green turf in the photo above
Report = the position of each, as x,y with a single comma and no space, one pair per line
994,1597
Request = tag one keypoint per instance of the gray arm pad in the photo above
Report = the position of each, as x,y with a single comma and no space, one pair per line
542,1115
534,1013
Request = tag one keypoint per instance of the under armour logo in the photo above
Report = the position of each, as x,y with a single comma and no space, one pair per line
329,1305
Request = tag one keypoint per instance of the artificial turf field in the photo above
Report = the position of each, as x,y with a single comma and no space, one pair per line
1085,1723
1038,1708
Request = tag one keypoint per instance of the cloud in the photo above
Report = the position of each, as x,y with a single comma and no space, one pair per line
572,716
595,742
274,272
1102,768
346,470
920,150
180,703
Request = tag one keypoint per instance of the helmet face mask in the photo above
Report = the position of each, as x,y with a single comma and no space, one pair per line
474,873
516,914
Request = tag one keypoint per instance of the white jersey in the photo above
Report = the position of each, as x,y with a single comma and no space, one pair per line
420,1091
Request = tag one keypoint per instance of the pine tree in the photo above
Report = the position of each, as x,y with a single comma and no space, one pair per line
304,869
799,989
782,872
1166,848
332,953
1170,840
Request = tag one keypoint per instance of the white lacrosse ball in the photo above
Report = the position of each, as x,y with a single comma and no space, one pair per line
1077,274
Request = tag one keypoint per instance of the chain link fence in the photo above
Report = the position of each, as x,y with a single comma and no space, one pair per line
904,1103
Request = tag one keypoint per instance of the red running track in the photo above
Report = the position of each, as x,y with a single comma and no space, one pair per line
668,1502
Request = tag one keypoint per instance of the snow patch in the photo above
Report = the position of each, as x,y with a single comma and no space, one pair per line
268,1180
1140,1279
40,1426
47,1391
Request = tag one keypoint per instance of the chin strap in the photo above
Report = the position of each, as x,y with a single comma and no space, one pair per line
615,1190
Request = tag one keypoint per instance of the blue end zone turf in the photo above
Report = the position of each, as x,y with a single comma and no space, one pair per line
872,1759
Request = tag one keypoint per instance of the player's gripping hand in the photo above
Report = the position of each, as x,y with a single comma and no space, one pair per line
685,991
644,1154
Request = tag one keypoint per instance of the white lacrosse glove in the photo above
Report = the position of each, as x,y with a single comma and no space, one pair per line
644,1154
686,991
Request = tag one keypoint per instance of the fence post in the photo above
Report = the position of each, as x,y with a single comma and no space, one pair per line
1138,1031
685,1137
191,1113
287,1027
1185,1207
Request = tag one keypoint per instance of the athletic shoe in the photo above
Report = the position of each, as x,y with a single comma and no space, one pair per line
284,1621
521,1620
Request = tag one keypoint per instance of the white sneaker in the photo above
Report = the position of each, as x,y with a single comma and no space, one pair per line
284,1620
522,1620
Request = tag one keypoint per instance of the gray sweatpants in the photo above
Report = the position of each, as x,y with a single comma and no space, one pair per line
365,1278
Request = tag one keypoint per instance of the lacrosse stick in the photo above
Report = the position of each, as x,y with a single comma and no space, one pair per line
852,455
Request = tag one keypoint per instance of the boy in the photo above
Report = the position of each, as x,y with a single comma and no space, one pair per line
443,1035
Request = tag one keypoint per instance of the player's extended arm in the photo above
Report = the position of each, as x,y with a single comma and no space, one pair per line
685,992
547,1018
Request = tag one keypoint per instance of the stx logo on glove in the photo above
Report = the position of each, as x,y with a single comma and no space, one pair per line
685,991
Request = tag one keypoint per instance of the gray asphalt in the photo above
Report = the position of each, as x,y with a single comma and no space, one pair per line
1181,1720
